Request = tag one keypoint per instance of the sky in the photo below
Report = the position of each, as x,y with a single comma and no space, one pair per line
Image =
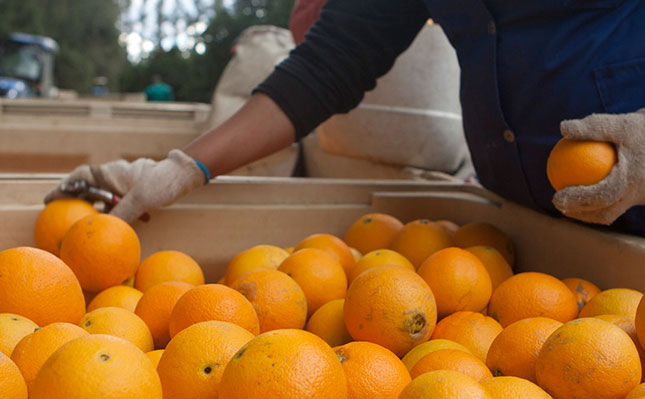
139,35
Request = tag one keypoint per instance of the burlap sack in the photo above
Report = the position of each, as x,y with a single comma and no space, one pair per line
413,117
257,51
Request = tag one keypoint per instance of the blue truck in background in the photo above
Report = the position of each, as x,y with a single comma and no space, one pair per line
27,66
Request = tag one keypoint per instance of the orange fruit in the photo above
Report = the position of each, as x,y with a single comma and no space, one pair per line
515,350
155,356
444,384
120,296
331,244
167,266
479,233
285,364
639,321
412,357
626,324
278,300
588,358
13,328
372,231
390,306
320,276
257,257
119,323
419,239
498,268
636,393
579,163
155,307
12,384
470,329
102,250
458,280
56,218
289,250
37,285
449,227
379,257
613,301
328,323
583,290
451,359
97,366
194,360
34,349
213,302
372,371
532,294
513,388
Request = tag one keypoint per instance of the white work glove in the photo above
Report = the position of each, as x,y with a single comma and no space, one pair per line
624,187
143,184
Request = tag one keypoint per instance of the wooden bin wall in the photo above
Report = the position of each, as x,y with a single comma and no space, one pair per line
231,214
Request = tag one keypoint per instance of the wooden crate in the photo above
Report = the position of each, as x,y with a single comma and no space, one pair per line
231,214
39,136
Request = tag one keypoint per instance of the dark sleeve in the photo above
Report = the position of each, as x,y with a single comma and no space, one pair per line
353,43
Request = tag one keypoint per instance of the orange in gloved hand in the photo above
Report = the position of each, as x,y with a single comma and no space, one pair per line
579,163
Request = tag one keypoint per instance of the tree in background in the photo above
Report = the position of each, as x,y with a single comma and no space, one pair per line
88,34
194,76
85,31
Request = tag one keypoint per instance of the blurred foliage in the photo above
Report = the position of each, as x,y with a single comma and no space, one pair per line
194,76
85,31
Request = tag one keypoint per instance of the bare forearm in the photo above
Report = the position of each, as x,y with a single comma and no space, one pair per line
258,129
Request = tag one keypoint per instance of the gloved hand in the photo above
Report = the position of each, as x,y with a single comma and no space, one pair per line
143,184
624,187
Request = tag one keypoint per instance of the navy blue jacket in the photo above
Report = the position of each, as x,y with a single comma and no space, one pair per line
525,66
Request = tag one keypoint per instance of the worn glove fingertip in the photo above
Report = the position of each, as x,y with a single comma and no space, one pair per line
605,218
573,129
569,198
583,198
49,197
559,201
127,210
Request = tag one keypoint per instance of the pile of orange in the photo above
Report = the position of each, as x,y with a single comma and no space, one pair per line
390,310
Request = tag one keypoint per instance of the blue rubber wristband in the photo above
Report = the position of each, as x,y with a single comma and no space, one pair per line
207,174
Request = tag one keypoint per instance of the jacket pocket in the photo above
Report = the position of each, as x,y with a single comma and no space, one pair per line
622,86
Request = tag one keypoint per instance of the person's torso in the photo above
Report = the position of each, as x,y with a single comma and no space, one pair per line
528,65
159,92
